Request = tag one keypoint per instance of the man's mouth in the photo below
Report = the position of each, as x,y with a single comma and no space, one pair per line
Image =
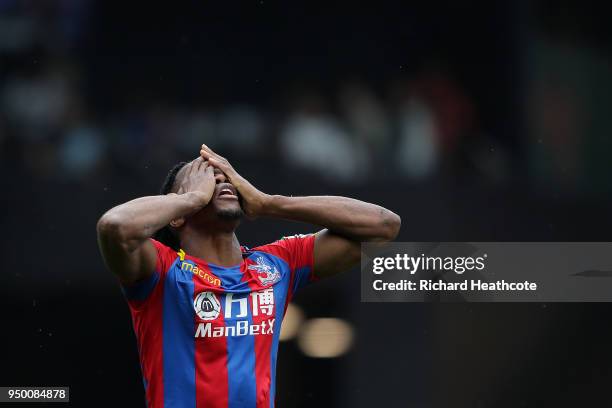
228,193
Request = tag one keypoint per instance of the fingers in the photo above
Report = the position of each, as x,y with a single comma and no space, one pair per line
216,160
194,166
200,164
221,165
195,172
207,152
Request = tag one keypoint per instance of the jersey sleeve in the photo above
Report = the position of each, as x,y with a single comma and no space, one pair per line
298,252
138,294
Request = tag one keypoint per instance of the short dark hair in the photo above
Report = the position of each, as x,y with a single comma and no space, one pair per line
166,235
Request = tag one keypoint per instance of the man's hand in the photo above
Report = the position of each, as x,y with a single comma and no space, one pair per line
253,200
199,179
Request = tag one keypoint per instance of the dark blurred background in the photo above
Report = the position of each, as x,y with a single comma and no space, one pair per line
473,120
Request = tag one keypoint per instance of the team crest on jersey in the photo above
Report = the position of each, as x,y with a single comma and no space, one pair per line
267,274
207,306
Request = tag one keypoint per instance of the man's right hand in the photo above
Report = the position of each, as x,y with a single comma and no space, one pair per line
253,200
199,179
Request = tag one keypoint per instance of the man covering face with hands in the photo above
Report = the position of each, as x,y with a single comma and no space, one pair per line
207,311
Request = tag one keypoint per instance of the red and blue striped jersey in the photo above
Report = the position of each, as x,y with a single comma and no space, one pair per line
208,335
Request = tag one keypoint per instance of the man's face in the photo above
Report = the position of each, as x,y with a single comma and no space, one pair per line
225,201
224,204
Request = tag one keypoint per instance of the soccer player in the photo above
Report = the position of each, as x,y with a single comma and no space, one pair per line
207,311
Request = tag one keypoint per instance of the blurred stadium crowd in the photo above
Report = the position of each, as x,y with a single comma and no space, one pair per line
346,138
515,109
412,126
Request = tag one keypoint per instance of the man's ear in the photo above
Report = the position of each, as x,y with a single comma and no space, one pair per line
179,222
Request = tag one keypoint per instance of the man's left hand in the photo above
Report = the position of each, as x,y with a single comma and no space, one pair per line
253,200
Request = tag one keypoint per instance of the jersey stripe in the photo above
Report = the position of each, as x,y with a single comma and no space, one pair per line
140,291
302,276
262,347
148,329
241,363
240,351
280,296
211,361
178,343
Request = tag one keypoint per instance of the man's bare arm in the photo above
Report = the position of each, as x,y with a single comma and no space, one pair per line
347,222
124,231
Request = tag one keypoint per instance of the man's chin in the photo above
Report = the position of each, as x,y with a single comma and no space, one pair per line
230,214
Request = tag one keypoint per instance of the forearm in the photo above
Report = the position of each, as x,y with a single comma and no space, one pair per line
139,219
351,218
